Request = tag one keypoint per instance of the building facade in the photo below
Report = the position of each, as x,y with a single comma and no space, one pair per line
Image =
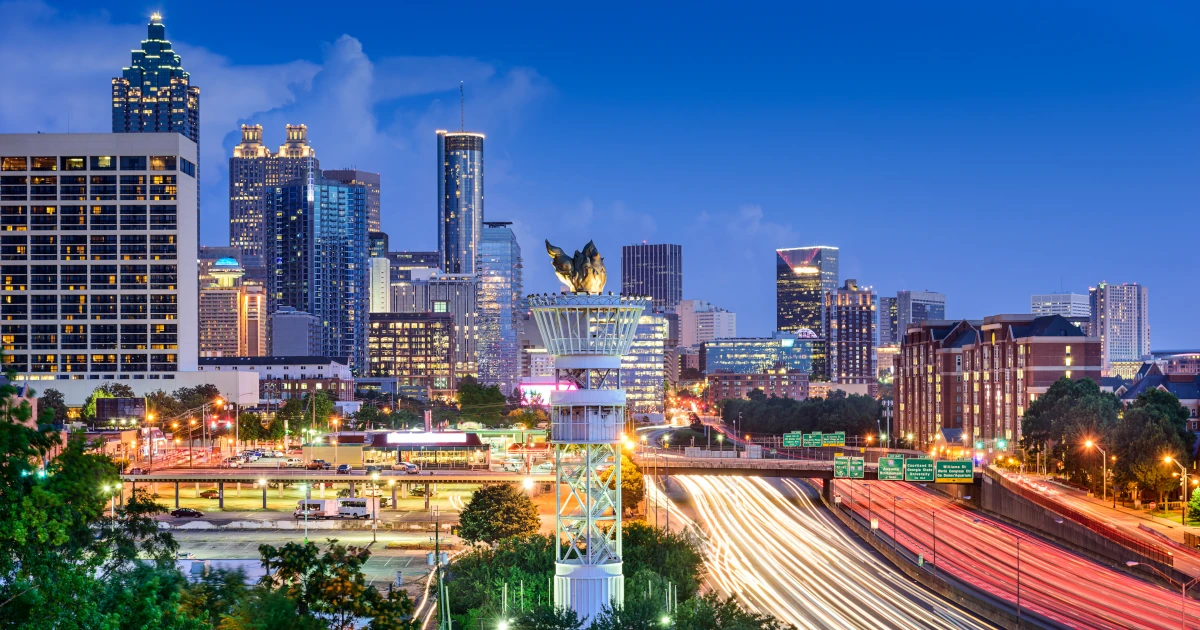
403,263
455,294
415,348
1065,304
319,237
255,175
460,200
757,355
499,301
1120,316
154,94
380,284
655,271
97,256
232,313
369,181
700,321
777,381
296,333
803,275
977,378
914,307
850,334
281,378
643,368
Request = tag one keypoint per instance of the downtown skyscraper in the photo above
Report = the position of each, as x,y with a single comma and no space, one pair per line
500,296
803,275
655,271
460,199
154,94
1121,318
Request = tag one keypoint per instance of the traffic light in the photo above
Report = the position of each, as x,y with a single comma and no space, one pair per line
1001,444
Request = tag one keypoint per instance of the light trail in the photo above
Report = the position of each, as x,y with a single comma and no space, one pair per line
782,555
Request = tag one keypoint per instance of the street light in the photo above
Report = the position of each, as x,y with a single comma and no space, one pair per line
374,508
1183,479
1104,462
895,532
1018,539
1183,587
304,493
933,514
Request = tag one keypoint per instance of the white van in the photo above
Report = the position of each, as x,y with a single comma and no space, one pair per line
292,462
358,507
316,508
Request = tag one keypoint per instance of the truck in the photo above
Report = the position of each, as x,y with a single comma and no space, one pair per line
316,508
358,507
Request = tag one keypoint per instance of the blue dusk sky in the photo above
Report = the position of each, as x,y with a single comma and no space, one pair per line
984,150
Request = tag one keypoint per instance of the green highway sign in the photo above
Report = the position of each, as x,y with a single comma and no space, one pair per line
849,468
812,440
791,440
891,468
919,469
955,471
834,439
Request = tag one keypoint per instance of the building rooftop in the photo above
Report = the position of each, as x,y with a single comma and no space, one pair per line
297,360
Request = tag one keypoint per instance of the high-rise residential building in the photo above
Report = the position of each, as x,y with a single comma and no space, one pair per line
1065,304
232,314
655,271
889,321
403,263
428,291
377,244
255,175
369,181
208,257
99,277
154,94
803,275
296,333
416,348
914,307
1120,316
500,297
700,321
380,284
757,355
849,334
643,369
318,233
973,380
460,199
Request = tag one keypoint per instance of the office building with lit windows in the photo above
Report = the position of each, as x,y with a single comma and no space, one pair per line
757,355
401,264
1120,316
428,291
1065,304
500,298
369,181
416,348
154,94
460,199
643,368
803,275
233,313
699,321
655,271
850,334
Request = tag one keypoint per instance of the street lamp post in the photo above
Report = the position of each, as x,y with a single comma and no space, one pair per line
869,519
1183,587
1183,479
374,508
304,493
895,532
1018,539
1104,464
933,514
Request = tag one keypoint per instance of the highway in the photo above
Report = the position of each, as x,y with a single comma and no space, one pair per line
982,553
768,543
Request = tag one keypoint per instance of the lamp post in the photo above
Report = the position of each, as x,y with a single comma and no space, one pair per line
1183,587
1104,464
304,493
869,519
933,514
1018,539
374,508
895,532
1183,479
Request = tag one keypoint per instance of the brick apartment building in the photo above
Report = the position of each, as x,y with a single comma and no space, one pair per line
976,378
778,381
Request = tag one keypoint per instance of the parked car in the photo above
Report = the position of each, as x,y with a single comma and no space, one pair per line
411,469
186,513
292,462
511,466
136,471
210,494
343,469
318,464
232,462
544,467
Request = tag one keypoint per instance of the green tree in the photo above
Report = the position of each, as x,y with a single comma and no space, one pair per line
1143,437
250,427
89,404
856,415
498,511
480,404
1058,423
546,617
633,485
53,399
215,595
673,556
710,612
198,396
162,405
1194,505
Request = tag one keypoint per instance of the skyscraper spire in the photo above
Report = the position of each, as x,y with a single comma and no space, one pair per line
154,94
462,108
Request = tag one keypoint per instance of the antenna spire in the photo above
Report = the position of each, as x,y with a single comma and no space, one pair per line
462,107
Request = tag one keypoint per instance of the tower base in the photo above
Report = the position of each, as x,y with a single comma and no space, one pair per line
588,588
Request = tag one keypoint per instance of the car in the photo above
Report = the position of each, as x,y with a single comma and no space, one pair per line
411,469
344,469
136,471
232,462
186,513
292,462
374,468
544,467
318,464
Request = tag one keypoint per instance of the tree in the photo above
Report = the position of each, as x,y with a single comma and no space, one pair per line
480,404
162,405
53,399
673,556
250,427
198,396
633,485
89,404
529,417
710,612
477,577
1059,422
1142,438
215,595
769,414
1194,505
545,617
498,511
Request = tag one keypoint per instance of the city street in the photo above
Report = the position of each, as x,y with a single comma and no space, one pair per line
770,544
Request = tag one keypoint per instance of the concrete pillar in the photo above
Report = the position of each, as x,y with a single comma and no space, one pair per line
197,489
264,496
237,492
322,495
308,492
351,489
176,494
433,491
427,493
404,491
394,506
280,487
221,494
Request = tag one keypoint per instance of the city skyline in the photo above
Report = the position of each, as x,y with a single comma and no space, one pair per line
527,102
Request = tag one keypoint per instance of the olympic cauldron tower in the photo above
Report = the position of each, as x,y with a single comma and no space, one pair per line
587,333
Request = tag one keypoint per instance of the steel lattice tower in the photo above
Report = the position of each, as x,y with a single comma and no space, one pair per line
587,334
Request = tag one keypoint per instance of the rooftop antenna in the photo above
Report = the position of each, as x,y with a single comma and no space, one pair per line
462,107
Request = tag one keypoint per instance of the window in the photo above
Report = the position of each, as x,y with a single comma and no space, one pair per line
45,164
14,164
133,162
187,167
72,163
104,163
440,306
162,162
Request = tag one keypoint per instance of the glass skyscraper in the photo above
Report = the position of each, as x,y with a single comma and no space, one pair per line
318,234
460,199
803,275
154,94
655,271
500,298
757,355
643,370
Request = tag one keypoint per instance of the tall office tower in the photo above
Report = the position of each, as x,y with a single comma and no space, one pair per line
154,94
209,256
380,284
415,348
403,263
377,244
296,334
460,199
700,321
255,173
655,271
803,275
1121,318
99,278
500,297
232,313
1065,304
914,307
368,180
889,332
319,237
757,355
849,334
428,291
644,368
